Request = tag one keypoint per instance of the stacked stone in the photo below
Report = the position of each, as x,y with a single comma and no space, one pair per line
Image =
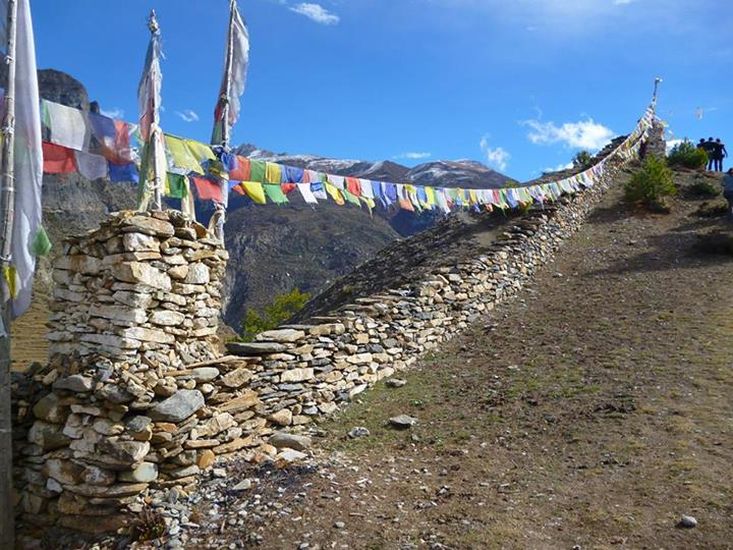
138,290
133,335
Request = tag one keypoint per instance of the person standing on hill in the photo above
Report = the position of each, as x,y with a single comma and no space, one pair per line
728,190
719,153
709,147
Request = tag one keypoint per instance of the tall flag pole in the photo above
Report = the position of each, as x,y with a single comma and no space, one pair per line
23,238
7,513
149,99
228,104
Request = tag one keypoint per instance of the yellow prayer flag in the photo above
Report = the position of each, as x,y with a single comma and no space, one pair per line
273,173
254,191
181,155
335,194
368,202
200,151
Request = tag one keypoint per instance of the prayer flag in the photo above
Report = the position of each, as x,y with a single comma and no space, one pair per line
254,191
235,77
273,173
90,166
307,193
353,186
350,197
241,170
257,170
336,181
28,238
291,174
123,172
274,193
335,194
318,190
366,189
57,159
154,162
148,92
69,127
206,189
180,156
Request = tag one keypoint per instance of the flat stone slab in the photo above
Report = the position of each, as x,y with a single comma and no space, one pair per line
283,440
254,348
282,335
177,407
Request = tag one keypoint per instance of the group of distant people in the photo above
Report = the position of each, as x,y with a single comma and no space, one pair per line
716,152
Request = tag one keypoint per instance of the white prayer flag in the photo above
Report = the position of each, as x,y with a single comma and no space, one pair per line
235,76
28,237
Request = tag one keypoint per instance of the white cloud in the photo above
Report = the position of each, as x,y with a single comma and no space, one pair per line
114,112
584,134
413,156
316,13
622,2
188,115
496,157
673,143
559,167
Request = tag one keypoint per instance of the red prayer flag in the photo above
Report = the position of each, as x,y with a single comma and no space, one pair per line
242,172
353,186
288,187
57,159
207,190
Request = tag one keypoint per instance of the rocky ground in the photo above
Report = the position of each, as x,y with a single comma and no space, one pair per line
592,412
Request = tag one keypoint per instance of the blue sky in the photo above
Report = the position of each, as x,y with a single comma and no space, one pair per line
518,84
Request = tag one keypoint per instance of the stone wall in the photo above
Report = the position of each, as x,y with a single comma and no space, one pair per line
136,399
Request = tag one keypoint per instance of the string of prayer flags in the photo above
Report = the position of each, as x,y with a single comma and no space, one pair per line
83,141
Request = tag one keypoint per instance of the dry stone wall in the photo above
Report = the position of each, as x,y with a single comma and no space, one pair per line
136,398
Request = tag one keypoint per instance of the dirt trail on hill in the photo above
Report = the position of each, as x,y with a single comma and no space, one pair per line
590,412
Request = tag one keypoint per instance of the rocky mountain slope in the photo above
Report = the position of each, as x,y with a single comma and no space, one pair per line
455,173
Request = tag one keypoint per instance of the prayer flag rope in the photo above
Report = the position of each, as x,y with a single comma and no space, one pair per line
101,147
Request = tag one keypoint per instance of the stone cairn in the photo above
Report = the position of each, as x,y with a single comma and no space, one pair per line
121,403
136,397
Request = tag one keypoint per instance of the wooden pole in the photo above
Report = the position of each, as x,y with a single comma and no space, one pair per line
7,197
225,130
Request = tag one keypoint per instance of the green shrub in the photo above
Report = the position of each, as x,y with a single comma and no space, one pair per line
703,188
283,307
651,184
583,160
686,155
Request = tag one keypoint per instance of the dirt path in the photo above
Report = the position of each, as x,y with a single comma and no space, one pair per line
591,412
29,333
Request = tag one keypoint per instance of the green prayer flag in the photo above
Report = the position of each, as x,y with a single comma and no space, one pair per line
350,197
257,170
274,193
176,187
